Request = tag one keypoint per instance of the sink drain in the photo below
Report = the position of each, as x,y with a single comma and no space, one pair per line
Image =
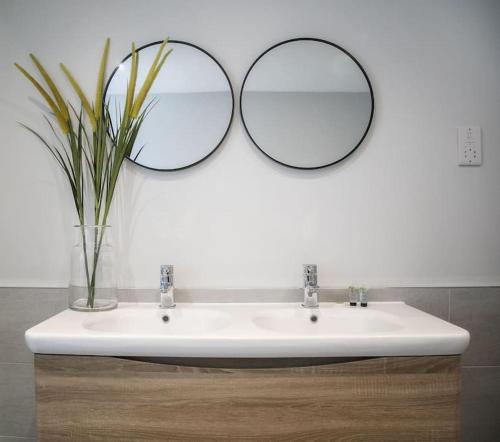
314,318
165,318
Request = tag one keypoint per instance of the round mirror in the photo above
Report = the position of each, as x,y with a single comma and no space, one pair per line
306,103
193,106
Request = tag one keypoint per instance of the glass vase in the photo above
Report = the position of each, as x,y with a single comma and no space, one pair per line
92,282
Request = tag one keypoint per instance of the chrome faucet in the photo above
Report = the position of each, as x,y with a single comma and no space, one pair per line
167,298
311,287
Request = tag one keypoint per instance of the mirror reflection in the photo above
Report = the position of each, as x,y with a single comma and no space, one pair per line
192,111
306,103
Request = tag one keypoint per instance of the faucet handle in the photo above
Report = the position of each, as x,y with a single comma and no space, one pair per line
310,275
166,276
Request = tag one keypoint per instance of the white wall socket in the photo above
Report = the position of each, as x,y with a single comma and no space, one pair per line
469,146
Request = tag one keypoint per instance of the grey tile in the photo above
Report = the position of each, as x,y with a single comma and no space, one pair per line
20,309
215,295
17,400
480,404
433,300
478,311
239,295
329,295
137,295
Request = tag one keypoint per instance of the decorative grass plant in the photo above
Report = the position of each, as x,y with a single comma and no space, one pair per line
87,147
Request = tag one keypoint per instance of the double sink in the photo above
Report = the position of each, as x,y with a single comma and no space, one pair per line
249,330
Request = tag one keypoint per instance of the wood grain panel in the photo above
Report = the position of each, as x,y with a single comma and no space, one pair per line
85,398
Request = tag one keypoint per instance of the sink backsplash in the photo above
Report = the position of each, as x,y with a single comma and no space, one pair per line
431,300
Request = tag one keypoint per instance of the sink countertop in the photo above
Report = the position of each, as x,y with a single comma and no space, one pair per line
253,330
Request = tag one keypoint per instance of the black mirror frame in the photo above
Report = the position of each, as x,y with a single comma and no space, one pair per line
230,88
321,41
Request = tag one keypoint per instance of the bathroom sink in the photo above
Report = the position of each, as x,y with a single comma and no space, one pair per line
323,321
270,330
147,321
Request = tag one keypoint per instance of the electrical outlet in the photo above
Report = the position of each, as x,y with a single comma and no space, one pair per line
469,146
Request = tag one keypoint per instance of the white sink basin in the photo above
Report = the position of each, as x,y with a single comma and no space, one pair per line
325,321
249,330
153,321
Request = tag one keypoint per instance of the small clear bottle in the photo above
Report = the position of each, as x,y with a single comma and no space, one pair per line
353,296
363,297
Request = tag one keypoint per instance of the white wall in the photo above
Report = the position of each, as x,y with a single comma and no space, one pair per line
398,212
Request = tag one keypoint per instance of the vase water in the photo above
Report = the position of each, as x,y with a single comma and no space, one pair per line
93,279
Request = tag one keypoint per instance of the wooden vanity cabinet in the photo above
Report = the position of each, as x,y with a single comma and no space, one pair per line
95,398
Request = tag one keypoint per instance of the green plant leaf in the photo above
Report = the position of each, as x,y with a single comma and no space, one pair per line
150,78
55,91
131,85
85,102
100,80
53,106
